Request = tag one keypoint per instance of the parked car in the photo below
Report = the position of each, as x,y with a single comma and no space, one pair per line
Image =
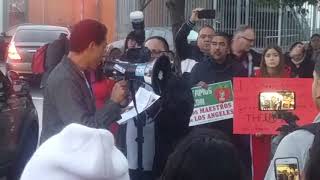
19,127
26,40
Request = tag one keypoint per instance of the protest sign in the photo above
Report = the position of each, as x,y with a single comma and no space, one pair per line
255,99
212,104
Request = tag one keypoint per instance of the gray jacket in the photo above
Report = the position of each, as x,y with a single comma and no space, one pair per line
295,144
68,99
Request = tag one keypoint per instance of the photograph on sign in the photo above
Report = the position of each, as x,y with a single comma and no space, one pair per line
277,101
256,100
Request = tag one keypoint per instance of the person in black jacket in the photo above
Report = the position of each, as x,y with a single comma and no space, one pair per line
242,42
221,67
195,52
55,51
300,64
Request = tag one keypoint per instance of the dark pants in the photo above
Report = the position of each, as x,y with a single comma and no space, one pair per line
144,175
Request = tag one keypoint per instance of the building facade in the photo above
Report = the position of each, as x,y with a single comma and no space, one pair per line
273,25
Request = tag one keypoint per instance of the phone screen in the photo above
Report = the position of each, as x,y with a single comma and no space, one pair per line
277,101
287,168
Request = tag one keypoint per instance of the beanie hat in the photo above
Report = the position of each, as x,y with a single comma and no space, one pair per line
78,153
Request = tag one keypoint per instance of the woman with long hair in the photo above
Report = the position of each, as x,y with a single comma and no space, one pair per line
272,66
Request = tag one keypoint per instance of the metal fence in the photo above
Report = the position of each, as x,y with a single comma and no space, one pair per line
272,25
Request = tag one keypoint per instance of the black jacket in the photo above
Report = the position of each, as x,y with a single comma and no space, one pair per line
54,54
244,59
210,72
185,50
304,71
172,123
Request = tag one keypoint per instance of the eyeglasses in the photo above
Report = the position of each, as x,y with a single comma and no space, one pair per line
155,53
250,40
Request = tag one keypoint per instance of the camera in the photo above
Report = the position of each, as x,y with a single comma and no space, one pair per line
136,64
137,21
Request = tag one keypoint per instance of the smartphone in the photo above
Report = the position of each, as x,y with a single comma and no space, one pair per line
287,168
277,101
207,14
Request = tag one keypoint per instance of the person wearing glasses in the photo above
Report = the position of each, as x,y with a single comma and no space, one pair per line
163,131
242,42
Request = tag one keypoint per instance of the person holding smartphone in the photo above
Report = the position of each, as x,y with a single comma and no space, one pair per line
190,54
304,143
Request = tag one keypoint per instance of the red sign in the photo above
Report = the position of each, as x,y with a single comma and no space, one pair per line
252,114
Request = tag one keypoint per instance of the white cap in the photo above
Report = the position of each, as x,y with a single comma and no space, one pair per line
78,153
136,16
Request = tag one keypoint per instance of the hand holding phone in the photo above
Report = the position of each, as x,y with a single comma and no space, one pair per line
194,17
287,168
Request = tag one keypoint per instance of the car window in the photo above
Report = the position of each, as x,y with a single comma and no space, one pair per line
36,35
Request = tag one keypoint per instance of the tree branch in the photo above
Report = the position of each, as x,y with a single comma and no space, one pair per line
145,5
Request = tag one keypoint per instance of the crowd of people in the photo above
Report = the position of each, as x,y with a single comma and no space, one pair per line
76,91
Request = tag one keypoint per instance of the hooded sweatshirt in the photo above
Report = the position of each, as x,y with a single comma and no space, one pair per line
78,153
296,144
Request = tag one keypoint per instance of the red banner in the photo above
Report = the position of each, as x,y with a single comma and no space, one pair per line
253,109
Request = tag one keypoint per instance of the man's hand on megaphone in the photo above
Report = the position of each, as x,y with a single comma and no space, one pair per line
120,92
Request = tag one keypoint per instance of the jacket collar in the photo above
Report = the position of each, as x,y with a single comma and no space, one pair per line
71,66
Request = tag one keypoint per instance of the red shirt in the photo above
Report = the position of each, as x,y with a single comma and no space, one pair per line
285,74
102,91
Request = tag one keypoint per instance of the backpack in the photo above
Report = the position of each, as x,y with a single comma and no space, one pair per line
38,60
313,128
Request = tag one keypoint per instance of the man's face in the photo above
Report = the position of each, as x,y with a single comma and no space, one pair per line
156,47
297,53
219,48
97,51
132,43
245,40
204,39
315,42
316,90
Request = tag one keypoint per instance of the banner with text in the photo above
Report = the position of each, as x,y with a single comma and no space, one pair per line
256,99
212,104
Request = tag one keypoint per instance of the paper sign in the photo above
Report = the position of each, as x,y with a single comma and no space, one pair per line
253,107
144,99
212,104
